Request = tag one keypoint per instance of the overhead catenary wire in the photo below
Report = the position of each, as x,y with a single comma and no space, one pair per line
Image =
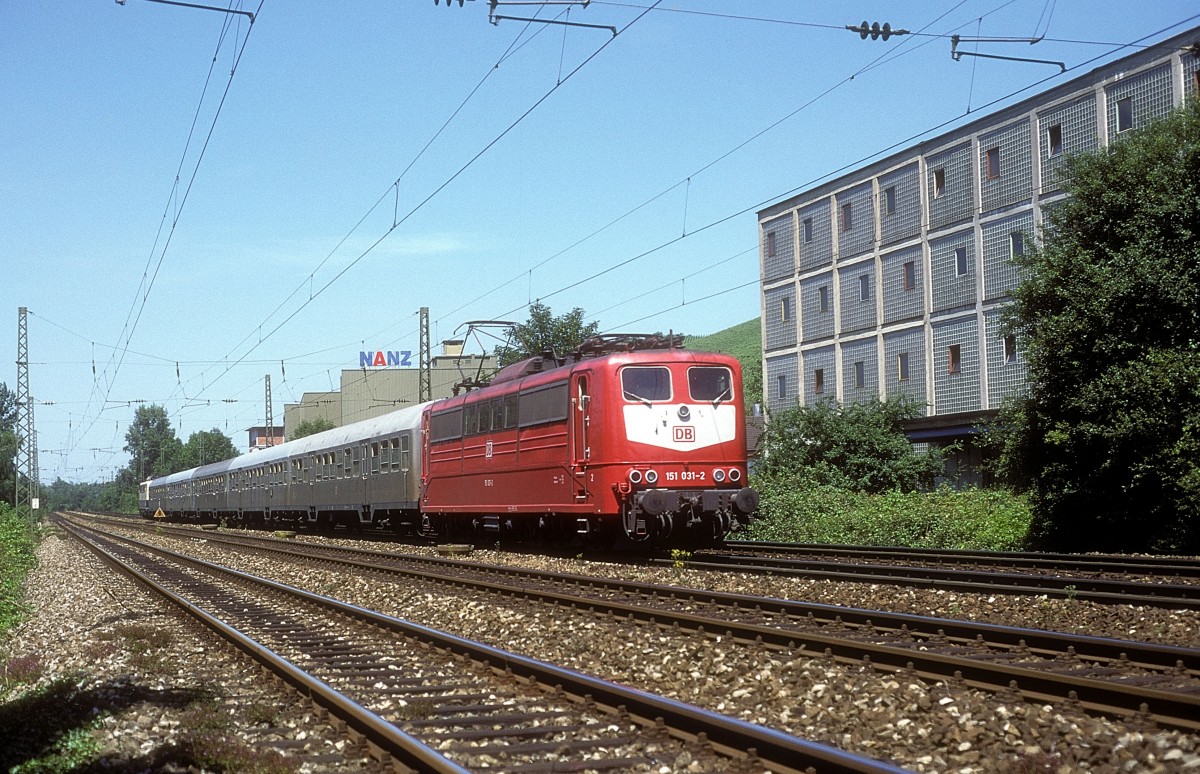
247,360
470,162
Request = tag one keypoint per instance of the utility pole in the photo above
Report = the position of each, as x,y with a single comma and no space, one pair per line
26,500
425,378
270,416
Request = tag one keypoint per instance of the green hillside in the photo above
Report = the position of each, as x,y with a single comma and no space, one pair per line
743,341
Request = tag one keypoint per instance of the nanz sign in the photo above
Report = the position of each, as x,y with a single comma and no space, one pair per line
402,358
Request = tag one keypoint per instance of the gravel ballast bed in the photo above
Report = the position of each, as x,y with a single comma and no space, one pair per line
925,727
156,693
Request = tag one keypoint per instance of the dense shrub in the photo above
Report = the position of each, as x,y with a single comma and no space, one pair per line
943,519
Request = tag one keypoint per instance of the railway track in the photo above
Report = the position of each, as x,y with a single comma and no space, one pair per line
1115,677
429,701
1181,569
929,570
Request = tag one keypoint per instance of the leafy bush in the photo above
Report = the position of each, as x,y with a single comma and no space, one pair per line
943,519
860,447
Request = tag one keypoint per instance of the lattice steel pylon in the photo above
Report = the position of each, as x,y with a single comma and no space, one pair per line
270,415
26,472
425,378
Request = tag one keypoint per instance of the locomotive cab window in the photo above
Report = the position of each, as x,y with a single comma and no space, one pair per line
646,383
710,383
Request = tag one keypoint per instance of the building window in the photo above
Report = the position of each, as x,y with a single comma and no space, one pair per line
770,244
902,366
860,375
785,309
847,217
1054,140
910,275
806,227
864,287
993,163
1010,349
939,183
781,386
823,299
960,261
818,380
1016,244
954,359
1124,114
889,200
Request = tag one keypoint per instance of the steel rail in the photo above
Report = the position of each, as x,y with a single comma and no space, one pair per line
1150,655
379,733
778,750
1168,708
1170,595
1103,563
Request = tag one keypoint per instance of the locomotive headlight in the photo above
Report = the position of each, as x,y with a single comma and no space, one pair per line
684,413
735,474
651,477
635,476
718,475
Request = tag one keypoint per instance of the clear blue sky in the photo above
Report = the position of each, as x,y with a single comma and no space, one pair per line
286,246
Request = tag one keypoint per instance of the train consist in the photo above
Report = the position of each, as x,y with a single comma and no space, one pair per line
629,438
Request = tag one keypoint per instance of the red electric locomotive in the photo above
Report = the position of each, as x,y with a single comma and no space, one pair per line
631,436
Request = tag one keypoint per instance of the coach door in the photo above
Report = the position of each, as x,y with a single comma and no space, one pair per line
581,405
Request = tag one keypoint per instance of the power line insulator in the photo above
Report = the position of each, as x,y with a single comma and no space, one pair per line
875,30
448,3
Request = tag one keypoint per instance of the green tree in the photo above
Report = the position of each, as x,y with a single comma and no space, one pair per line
152,444
859,447
1108,435
311,427
543,333
205,447
9,444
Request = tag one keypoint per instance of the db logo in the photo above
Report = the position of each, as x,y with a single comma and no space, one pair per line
685,434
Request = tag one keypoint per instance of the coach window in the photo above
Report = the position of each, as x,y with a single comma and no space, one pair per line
485,417
446,426
375,458
510,411
710,383
644,383
405,451
498,414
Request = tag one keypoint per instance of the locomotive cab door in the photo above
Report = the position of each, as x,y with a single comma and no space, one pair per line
581,405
